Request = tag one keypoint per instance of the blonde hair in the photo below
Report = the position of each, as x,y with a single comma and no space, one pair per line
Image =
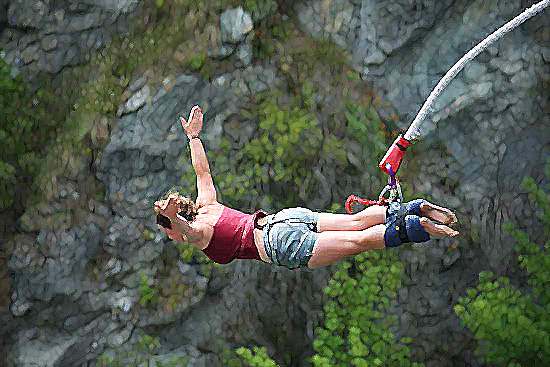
187,208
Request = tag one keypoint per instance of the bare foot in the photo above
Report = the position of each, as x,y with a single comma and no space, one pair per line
437,213
437,229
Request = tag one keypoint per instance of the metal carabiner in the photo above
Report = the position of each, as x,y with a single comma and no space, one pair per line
393,187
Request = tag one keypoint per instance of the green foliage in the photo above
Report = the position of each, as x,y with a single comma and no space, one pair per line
363,126
280,160
261,9
25,128
192,255
144,352
257,357
513,326
359,330
148,295
245,357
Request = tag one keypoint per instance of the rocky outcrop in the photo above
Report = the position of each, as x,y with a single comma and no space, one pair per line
236,37
46,36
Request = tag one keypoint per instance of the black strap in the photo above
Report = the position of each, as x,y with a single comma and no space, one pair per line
401,225
259,216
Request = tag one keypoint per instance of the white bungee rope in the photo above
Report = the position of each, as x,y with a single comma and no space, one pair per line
392,159
413,130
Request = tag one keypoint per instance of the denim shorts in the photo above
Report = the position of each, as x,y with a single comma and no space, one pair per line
289,237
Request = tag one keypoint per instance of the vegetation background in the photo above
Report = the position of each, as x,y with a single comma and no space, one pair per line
55,124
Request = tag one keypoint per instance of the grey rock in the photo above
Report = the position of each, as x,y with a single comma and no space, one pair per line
59,16
55,60
136,85
244,52
20,306
186,269
473,71
506,67
135,102
112,267
30,54
122,6
148,253
116,339
174,357
48,42
46,350
27,13
222,51
451,257
376,57
131,281
522,80
235,24
82,22
71,58
482,90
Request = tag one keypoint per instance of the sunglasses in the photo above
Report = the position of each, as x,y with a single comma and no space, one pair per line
164,221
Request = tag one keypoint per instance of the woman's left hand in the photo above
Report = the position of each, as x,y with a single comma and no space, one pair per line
194,126
168,207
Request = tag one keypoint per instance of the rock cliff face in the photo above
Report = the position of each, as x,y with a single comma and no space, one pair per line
46,36
77,296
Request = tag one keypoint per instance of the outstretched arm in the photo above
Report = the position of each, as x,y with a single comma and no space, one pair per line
205,185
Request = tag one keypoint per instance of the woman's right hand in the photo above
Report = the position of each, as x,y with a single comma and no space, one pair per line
194,126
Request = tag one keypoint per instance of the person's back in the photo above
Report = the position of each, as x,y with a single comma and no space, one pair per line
233,237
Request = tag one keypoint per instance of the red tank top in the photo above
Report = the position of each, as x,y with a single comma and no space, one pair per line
233,237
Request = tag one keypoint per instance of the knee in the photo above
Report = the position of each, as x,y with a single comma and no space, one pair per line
356,221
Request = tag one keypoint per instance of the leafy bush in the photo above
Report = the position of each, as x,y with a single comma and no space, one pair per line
29,121
148,295
16,131
144,352
358,328
280,160
513,326
257,357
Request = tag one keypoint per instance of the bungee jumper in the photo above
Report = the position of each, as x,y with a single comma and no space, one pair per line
299,237
293,237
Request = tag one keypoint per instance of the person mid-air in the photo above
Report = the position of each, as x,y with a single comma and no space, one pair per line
293,237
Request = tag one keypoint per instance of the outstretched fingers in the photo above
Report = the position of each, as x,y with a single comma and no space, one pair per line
193,125
196,116
437,229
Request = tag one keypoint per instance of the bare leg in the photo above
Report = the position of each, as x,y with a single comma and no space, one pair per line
366,218
334,245
376,214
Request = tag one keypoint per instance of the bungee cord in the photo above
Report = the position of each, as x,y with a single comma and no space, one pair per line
414,130
392,159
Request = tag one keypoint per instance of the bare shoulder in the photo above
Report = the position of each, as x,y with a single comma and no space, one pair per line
204,223
209,213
